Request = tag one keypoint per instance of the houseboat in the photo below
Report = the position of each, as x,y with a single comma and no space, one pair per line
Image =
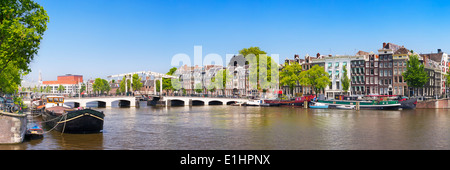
69,120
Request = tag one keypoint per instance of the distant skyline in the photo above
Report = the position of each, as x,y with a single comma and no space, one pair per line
104,37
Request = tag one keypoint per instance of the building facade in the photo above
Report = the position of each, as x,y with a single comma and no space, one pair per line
71,84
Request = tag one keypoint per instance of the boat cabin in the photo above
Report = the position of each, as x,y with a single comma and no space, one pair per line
52,101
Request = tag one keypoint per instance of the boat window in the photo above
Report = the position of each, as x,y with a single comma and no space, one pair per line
61,99
50,99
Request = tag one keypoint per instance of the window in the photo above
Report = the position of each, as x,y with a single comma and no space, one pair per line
390,72
381,65
337,85
371,80
386,81
390,65
400,79
395,63
395,71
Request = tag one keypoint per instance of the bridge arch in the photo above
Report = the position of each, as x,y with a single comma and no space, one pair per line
215,102
198,103
121,102
99,103
176,102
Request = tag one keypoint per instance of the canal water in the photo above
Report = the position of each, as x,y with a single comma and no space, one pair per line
261,128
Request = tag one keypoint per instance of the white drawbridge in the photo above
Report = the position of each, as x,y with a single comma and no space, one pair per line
155,76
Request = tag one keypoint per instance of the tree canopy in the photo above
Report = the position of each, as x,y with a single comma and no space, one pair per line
260,78
290,75
415,74
316,77
345,80
22,25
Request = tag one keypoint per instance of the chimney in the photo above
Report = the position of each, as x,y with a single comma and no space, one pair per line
439,51
296,56
318,55
329,55
384,44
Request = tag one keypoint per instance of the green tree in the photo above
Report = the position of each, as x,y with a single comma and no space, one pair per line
253,55
167,82
83,88
198,88
105,86
98,85
290,76
22,25
221,78
345,80
122,84
61,89
316,77
137,84
415,74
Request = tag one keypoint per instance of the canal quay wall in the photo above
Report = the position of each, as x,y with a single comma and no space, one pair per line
434,104
12,127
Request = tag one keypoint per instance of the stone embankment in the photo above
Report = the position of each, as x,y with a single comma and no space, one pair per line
12,127
434,104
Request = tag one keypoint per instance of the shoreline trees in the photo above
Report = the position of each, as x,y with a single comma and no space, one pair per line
22,25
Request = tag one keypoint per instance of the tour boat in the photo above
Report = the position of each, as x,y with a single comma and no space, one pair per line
65,119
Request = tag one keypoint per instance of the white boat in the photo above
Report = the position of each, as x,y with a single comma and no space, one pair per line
256,103
238,104
315,105
346,107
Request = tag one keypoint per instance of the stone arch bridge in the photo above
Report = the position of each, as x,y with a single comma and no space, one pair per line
103,101
198,101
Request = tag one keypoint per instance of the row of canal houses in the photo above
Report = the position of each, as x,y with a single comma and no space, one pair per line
370,73
376,74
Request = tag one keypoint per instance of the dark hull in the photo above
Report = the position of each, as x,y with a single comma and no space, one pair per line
408,104
283,103
77,121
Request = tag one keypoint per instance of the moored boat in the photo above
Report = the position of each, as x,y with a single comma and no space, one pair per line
298,101
68,120
256,103
317,105
345,107
34,130
378,105
408,103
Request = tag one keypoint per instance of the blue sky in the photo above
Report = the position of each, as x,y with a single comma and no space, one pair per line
97,38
